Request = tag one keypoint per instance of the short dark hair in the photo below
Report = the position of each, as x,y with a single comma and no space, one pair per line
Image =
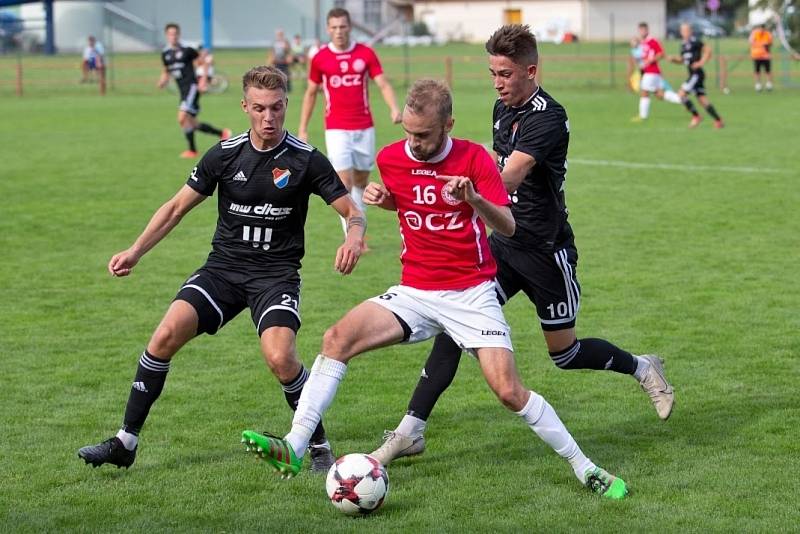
430,96
644,25
172,25
264,77
337,12
516,42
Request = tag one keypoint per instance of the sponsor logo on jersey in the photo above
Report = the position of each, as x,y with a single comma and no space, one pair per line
345,80
423,172
435,222
239,177
281,177
193,176
263,209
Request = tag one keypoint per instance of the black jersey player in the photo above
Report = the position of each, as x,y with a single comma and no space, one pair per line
178,61
530,139
695,54
263,179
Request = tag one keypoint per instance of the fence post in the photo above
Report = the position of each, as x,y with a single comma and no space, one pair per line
101,73
19,73
723,73
611,49
448,71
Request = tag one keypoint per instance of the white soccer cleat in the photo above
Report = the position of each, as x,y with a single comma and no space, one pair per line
655,384
396,446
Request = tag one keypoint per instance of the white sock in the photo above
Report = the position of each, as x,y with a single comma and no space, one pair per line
358,197
644,106
344,225
672,96
642,366
128,440
411,426
543,420
317,395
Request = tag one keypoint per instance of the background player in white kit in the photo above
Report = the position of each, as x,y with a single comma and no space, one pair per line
342,69
443,190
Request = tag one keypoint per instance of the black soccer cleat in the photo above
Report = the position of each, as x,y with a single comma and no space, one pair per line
322,457
111,451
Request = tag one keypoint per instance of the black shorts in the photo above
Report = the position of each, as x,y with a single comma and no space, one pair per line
765,64
190,99
218,295
695,83
549,280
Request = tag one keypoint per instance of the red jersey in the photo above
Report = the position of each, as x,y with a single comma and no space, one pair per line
650,48
344,76
445,245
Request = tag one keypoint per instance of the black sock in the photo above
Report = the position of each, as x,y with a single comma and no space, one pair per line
437,375
713,112
292,390
690,106
190,138
593,353
207,128
147,385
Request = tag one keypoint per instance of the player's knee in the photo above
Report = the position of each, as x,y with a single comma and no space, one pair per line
511,395
335,342
282,362
166,341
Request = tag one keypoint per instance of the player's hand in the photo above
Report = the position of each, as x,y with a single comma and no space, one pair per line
161,84
376,194
202,86
696,65
347,255
460,187
122,264
396,116
303,136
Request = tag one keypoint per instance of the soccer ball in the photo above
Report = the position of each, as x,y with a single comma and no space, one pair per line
357,484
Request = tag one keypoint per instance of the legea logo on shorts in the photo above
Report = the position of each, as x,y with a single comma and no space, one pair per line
281,177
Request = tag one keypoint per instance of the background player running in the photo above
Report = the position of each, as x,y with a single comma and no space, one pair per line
178,63
530,140
695,54
343,69
263,178
651,83
446,283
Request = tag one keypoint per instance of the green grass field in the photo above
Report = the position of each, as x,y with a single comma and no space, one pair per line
689,248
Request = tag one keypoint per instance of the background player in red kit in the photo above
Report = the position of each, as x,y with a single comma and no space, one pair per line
342,69
445,191
652,53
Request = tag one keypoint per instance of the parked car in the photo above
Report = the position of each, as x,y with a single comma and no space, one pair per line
701,26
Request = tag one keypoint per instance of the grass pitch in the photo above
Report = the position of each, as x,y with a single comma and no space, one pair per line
689,249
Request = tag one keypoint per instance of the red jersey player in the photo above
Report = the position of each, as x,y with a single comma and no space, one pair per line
444,191
652,53
342,69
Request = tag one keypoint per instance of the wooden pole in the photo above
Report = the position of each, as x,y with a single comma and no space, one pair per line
448,71
19,74
723,73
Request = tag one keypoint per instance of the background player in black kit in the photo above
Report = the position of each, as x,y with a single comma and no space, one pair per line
178,63
531,135
695,54
264,178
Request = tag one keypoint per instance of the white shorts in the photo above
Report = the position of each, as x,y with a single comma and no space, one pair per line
651,82
472,317
351,149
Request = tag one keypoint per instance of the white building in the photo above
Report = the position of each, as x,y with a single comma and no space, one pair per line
593,20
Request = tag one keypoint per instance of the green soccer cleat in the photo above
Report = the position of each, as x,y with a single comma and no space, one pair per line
274,450
603,483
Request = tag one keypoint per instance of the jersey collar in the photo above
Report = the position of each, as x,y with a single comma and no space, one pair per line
250,139
438,158
345,51
528,101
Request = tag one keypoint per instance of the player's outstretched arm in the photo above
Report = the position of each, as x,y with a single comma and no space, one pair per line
348,253
498,218
388,96
517,167
376,194
161,223
163,80
309,100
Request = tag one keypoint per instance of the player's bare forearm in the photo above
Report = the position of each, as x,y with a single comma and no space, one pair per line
348,253
309,100
163,79
498,218
160,225
517,167
389,97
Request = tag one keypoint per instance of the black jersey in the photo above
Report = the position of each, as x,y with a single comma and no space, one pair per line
263,200
179,62
691,51
539,128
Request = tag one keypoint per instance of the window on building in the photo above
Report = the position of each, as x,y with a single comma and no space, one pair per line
512,16
372,12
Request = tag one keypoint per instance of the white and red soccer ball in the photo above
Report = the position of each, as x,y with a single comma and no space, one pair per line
357,484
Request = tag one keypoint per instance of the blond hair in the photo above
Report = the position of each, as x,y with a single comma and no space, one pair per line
430,96
264,77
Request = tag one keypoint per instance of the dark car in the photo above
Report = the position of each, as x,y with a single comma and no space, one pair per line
701,26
